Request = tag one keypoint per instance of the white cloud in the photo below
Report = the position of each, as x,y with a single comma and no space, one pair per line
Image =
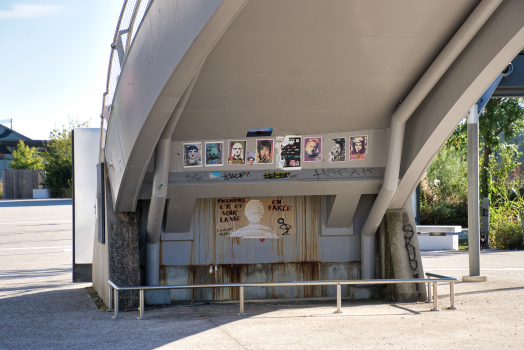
18,11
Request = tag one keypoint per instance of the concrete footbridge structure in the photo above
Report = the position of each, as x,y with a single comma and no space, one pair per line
281,140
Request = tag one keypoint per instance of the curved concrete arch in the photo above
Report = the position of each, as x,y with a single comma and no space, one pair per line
494,46
174,39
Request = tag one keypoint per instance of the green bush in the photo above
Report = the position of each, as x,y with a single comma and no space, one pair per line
442,213
1,189
505,231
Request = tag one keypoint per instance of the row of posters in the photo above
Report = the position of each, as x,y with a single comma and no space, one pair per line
288,151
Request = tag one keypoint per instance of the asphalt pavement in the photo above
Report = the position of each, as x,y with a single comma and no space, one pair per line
40,308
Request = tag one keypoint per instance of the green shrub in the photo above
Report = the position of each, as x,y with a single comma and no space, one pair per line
1,189
442,213
505,232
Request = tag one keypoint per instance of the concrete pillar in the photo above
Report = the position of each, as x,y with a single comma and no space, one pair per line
123,252
403,260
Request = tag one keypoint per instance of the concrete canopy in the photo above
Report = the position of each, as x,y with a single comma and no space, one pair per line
298,66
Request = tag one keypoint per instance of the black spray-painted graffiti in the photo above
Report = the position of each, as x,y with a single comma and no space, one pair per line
235,176
194,177
284,226
410,248
412,253
277,175
343,172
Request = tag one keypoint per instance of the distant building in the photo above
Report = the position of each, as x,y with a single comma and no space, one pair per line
9,140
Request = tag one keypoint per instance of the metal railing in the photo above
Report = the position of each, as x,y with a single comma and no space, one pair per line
114,289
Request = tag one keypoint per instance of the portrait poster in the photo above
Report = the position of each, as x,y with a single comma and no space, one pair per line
290,151
338,150
214,153
264,152
312,149
359,147
237,153
192,154
254,218
250,158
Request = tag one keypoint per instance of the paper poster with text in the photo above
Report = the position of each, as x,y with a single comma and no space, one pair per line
254,218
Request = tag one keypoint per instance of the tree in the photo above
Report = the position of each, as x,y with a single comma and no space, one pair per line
26,158
59,160
501,116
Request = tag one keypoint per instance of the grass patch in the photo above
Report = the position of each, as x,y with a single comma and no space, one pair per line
99,302
463,244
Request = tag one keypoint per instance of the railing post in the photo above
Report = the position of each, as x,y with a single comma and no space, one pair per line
452,295
141,308
116,304
435,298
110,298
430,296
241,297
339,300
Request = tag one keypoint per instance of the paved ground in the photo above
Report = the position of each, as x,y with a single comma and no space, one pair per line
41,309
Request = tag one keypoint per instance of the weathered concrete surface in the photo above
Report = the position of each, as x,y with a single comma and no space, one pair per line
123,252
402,256
42,309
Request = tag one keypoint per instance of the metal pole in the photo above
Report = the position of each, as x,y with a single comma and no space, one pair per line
473,191
116,305
241,295
435,298
110,298
452,296
339,299
141,308
430,296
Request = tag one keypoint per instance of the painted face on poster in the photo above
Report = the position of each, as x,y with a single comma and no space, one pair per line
237,153
338,150
359,147
250,158
192,154
214,152
312,149
264,152
290,152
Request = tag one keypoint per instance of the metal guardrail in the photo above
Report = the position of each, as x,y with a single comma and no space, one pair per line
114,289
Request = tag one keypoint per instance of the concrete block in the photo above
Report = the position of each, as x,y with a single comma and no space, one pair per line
449,242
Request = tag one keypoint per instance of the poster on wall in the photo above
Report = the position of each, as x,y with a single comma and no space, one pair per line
254,218
192,154
312,149
338,150
264,152
359,147
250,158
290,151
237,153
214,152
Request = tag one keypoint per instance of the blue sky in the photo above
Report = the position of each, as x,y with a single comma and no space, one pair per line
54,56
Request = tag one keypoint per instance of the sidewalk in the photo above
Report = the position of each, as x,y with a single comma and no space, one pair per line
41,309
